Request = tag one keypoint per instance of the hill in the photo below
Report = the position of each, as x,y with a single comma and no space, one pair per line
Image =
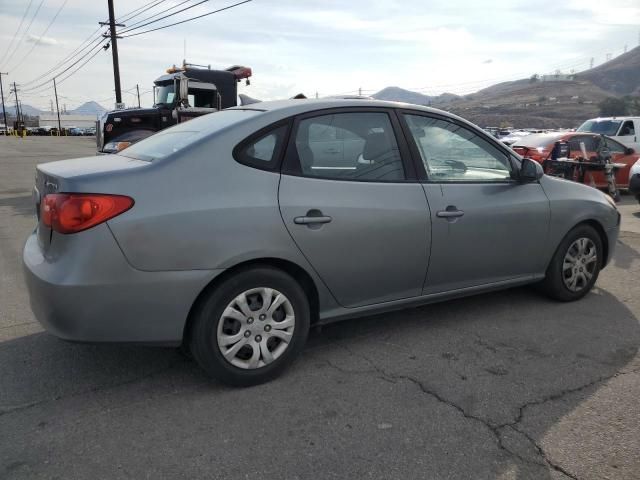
88,108
27,110
532,102
397,94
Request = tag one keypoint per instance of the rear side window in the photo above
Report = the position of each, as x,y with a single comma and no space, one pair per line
349,146
263,149
590,143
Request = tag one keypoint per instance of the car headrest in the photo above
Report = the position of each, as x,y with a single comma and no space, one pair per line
375,145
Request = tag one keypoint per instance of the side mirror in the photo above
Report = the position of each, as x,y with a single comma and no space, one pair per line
530,171
629,151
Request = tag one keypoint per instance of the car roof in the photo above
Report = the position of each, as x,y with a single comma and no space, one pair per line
601,119
298,106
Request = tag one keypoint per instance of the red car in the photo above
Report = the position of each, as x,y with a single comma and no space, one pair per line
539,146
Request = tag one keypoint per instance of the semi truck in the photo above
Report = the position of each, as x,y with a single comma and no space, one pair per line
181,94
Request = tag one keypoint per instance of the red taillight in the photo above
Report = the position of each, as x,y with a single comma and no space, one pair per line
74,212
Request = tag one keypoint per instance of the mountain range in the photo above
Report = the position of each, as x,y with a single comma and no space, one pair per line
543,102
87,108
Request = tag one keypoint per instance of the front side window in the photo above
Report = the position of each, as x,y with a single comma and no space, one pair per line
627,129
349,146
452,153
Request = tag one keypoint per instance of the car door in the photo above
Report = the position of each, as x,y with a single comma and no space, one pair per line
486,226
628,134
364,227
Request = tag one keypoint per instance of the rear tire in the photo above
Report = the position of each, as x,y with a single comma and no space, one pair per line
575,266
251,327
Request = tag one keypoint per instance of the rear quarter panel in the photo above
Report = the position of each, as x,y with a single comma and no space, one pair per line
203,210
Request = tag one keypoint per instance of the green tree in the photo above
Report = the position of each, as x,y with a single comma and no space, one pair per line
613,107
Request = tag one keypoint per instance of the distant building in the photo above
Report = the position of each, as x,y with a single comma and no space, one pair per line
82,121
557,77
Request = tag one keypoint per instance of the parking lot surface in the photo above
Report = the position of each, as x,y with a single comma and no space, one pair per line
507,385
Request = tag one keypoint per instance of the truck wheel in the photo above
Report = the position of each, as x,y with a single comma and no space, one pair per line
251,327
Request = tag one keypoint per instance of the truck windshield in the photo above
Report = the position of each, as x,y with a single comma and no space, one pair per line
605,127
165,94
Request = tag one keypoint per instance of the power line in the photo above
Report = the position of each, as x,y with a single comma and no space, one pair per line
128,16
24,15
188,19
97,46
90,41
37,42
17,46
92,38
162,18
156,14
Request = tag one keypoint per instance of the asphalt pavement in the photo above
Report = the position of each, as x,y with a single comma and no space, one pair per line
508,385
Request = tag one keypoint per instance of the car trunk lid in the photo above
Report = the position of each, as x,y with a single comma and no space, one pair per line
81,175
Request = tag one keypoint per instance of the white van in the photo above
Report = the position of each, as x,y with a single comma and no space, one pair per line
625,130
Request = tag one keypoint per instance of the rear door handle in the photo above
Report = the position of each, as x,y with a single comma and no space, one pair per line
311,220
451,213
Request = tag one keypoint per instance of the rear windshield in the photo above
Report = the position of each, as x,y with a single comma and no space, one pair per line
173,139
606,127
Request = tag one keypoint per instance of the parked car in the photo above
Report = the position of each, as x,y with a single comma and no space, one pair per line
539,147
625,130
634,180
89,131
235,232
75,131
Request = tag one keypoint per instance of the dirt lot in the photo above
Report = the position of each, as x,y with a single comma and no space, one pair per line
506,385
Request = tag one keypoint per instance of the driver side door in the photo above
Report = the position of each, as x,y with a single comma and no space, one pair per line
486,227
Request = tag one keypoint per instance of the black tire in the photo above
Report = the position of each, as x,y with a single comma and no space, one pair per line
203,335
554,284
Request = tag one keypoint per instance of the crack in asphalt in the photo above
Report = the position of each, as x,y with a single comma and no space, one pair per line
496,430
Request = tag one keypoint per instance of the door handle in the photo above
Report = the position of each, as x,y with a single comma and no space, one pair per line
451,213
311,220
332,151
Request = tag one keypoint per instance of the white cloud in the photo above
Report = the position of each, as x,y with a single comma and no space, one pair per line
332,46
47,41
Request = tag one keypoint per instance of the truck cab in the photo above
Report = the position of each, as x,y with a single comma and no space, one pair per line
625,130
181,94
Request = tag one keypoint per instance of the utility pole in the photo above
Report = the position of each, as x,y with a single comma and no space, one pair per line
591,63
55,91
114,50
15,90
4,112
360,91
138,91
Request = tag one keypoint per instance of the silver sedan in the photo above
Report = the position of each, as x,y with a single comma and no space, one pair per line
234,233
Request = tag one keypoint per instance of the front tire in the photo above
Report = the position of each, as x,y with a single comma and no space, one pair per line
251,327
575,266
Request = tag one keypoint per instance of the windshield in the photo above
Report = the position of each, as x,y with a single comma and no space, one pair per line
173,139
165,94
606,127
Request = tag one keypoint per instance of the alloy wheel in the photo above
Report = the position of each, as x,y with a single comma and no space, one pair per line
579,264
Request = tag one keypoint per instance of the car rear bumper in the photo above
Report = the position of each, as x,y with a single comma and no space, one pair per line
80,296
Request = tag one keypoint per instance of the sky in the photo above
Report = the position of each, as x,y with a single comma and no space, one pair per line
326,47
